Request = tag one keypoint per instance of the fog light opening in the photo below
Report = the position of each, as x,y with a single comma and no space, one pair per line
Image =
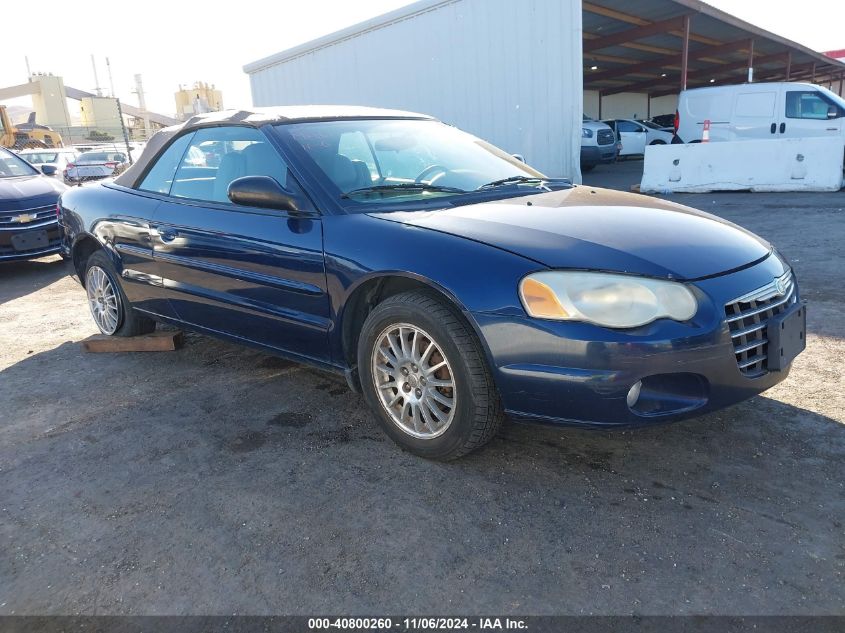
634,393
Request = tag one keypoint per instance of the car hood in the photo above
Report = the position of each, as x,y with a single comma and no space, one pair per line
598,229
24,192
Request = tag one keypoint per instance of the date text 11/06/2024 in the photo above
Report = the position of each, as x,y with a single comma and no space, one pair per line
418,624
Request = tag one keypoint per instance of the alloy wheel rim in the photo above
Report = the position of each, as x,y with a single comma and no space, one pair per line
414,380
102,299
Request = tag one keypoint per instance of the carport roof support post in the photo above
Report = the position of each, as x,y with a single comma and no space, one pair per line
685,53
751,60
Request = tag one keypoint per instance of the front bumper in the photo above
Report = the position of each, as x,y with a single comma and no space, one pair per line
581,374
598,154
20,243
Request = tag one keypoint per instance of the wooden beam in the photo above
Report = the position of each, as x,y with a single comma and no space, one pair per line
709,72
657,50
596,9
669,61
165,341
632,35
798,72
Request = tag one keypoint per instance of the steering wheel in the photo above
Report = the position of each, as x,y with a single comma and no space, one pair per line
431,169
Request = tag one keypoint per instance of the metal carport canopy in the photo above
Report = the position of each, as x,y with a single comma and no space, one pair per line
660,47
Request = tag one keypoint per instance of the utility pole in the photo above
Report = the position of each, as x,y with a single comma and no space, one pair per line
111,79
142,103
96,79
125,135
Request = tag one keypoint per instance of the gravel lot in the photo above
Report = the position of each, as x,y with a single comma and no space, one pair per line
219,480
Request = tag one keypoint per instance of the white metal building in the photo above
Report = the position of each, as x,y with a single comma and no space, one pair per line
508,72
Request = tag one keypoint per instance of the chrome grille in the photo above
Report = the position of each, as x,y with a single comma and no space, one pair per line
748,319
605,137
38,215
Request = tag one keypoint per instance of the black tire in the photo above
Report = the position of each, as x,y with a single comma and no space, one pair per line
586,169
129,322
658,143
478,413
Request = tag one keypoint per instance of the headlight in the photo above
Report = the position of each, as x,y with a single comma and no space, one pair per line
586,133
615,301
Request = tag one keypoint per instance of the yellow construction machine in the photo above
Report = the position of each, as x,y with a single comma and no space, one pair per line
26,135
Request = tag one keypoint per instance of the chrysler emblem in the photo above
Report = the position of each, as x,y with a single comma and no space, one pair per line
781,284
23,218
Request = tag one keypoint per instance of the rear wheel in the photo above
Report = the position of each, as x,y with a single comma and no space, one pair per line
109,306
585,169
424,374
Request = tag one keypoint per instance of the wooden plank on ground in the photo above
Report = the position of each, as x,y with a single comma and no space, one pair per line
166,341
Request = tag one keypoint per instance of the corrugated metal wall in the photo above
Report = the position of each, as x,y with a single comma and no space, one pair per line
509,72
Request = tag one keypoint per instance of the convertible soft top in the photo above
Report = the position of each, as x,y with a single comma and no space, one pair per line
255,117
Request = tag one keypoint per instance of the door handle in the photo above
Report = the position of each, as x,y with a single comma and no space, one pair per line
782,128
165,234
774,127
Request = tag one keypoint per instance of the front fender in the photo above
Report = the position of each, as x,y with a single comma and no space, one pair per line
360,249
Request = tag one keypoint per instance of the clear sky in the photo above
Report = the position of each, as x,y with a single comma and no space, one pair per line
172,43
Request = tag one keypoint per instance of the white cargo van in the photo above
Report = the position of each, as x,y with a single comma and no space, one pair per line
760,111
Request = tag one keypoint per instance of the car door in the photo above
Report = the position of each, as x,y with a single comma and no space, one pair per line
754,114
132,232
808,113
255,274
632,135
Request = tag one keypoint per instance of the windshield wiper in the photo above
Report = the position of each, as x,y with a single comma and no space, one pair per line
513,180
405,186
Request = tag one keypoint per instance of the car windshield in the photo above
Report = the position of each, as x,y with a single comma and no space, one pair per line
388,161
832,96
11,166
40,157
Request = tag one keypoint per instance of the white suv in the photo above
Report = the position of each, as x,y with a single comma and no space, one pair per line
598,144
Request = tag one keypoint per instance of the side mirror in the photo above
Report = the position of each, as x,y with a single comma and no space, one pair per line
833,112
48,170
263,192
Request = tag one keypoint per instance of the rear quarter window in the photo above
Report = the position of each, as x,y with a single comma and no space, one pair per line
159,178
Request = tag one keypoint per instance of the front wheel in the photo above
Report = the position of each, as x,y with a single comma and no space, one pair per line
424,374
109,306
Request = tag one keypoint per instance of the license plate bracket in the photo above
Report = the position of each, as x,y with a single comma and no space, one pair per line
30,240
787,334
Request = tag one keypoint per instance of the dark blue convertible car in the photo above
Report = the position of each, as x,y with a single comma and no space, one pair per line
451,283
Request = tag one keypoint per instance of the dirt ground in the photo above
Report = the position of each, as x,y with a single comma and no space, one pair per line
218,480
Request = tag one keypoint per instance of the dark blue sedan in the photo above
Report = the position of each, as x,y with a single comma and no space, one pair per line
451,283
28,224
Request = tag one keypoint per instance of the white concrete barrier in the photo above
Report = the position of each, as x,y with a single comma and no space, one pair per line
801,164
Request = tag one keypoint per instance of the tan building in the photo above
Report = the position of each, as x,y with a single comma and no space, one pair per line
100,113
50,101
201,98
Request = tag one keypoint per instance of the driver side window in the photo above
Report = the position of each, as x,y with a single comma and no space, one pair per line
216,156
806,105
